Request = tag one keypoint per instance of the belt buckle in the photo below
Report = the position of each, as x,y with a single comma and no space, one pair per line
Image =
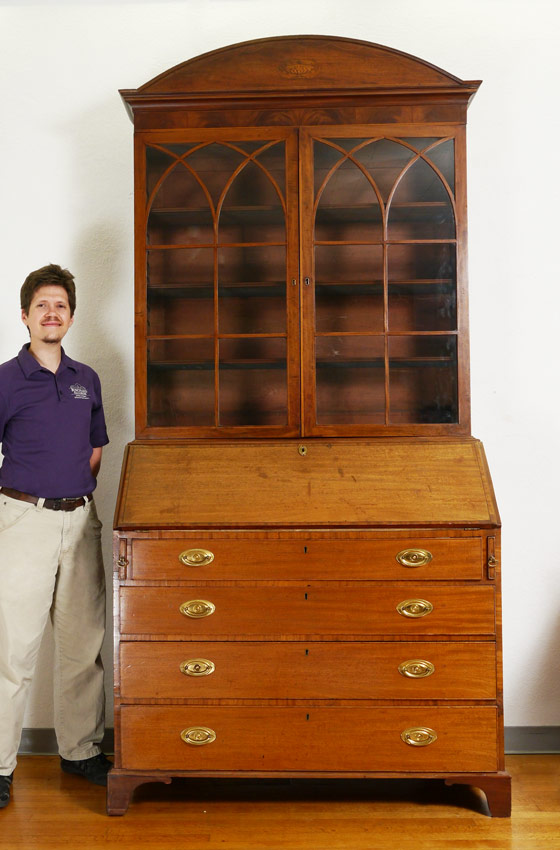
57,504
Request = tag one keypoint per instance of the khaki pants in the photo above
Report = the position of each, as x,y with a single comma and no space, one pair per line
51,563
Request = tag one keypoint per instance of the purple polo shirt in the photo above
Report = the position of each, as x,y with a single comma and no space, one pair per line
49,424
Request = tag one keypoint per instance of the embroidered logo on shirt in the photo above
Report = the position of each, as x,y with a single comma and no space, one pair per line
79,391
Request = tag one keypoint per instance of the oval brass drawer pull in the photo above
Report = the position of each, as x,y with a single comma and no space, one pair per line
414,557
419,736
416,668
197,608
415,608
198,735
196,557
197,667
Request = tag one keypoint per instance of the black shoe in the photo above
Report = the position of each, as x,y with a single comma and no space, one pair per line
5,783
94,769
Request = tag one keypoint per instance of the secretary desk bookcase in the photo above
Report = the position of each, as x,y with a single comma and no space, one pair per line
307,578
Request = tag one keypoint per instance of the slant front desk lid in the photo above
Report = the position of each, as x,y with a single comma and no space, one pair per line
317,483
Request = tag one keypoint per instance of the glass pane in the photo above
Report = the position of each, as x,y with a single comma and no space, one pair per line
183,148
180,211
253,382
423,379
348,207
180,227
420,142
252,309
325,156
443,156
422,307
181,382
273,161
180,190
384,160
252,289
214,164
181,311
422,264
252,210
421,207
348,263
350,307
180,268
350,380
157,162
252,264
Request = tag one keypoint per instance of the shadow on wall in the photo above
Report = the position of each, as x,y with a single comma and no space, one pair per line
99,188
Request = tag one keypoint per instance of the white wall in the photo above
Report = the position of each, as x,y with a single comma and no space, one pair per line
66,197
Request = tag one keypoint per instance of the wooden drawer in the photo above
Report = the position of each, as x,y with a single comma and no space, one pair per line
307,739
277,611
308,559
293,670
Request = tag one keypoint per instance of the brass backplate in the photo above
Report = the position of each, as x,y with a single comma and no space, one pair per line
197,667
196,557
415,608
414,557
419,736
197,608
416,668
198,735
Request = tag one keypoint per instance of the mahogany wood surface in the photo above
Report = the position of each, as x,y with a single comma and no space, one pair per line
290,611
326,739
497,788
292,61
272,671
343,482
303,404
304,558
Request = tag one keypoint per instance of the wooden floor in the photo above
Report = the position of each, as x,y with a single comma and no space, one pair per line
50,809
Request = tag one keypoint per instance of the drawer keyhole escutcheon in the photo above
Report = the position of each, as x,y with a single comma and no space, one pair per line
302,450
419,736
415,608
197,667
196,557
198,735
197,608
416,668
414,557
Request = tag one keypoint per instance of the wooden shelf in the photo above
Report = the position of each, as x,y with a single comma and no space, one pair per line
209,365
225,290
394,362
196,246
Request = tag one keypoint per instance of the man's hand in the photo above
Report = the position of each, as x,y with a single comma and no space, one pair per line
95,461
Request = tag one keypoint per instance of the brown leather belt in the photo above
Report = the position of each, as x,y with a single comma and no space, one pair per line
52,504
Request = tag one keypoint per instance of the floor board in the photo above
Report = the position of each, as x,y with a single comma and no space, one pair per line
51,810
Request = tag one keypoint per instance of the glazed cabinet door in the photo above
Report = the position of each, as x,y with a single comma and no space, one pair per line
383,305
217,324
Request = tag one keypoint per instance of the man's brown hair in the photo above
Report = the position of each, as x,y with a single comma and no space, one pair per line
51,275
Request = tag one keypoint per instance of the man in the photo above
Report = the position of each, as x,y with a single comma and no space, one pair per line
52,430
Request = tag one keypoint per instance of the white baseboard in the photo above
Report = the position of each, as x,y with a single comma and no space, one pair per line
518,739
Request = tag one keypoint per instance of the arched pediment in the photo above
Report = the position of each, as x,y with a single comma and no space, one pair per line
300,63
